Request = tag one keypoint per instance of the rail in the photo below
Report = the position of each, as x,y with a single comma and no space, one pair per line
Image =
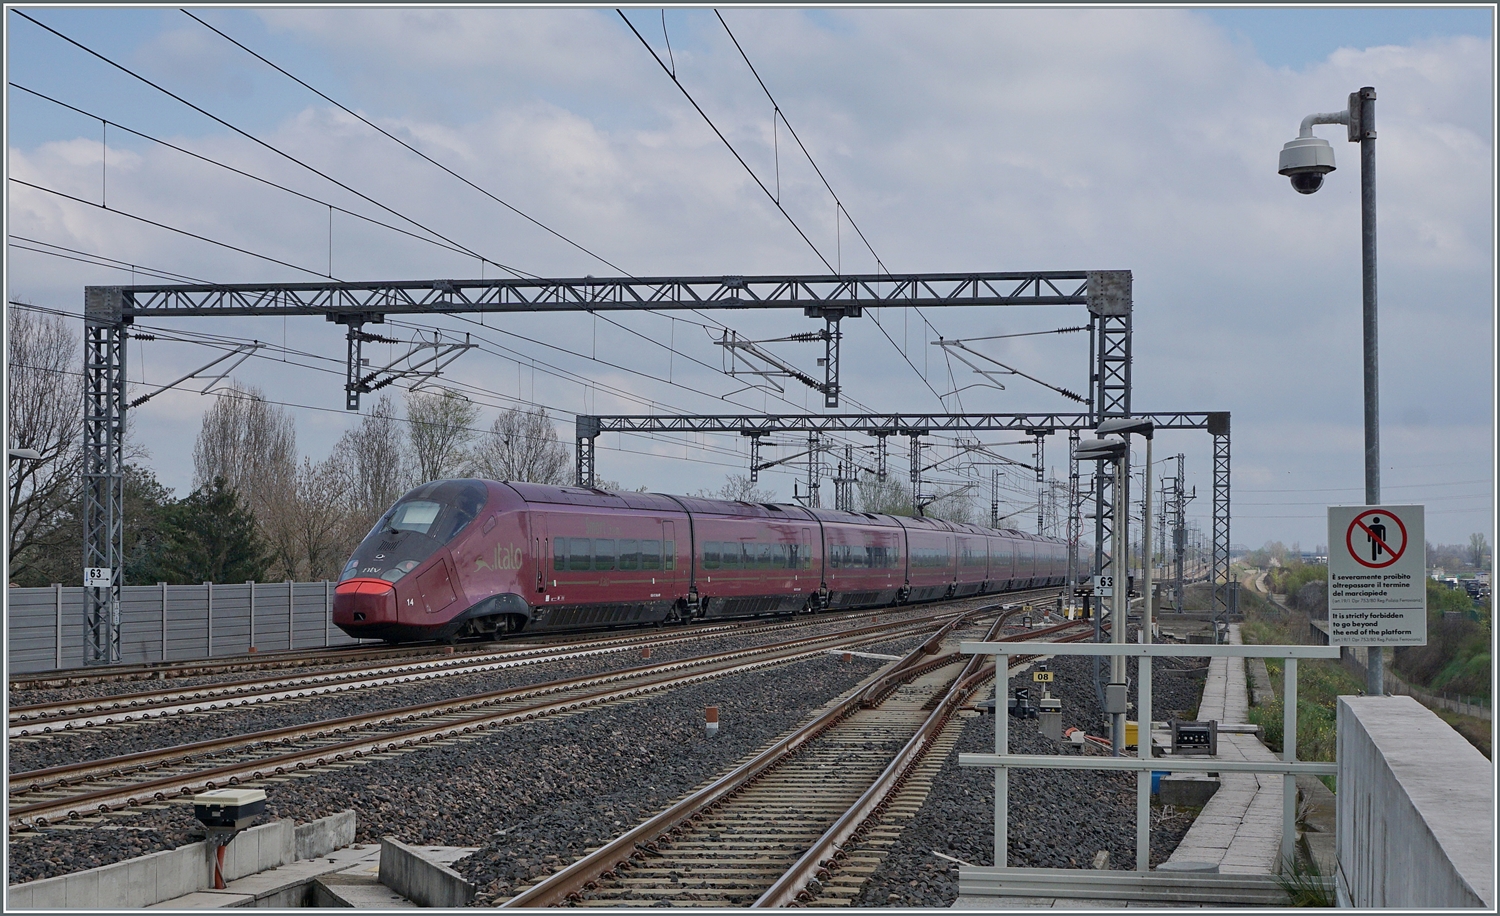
1143,764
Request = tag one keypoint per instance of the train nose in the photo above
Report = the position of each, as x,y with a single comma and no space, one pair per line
361,602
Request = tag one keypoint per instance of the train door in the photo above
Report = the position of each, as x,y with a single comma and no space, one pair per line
541,552
671,573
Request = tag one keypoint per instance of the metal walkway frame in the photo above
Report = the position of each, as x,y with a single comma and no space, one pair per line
1142,764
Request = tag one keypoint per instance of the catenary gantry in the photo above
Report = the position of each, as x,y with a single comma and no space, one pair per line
109,310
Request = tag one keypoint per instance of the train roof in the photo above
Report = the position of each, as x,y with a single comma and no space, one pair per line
698,505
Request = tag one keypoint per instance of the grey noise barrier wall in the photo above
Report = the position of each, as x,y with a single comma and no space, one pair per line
45,626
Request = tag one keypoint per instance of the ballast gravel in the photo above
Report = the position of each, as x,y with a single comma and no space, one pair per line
100,743
555,787
1057,819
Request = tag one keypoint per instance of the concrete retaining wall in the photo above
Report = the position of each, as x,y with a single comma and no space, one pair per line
425,883
1415,809
167,875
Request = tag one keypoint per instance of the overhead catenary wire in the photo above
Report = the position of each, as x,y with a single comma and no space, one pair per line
759,183
159,225
268,146
244,133
371,124
296,161
269,183
448,170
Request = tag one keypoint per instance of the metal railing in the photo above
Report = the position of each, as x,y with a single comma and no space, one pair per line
1143,764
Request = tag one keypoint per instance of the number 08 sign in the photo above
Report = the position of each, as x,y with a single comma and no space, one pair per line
1377,576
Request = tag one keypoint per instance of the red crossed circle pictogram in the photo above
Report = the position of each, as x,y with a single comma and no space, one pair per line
1375,538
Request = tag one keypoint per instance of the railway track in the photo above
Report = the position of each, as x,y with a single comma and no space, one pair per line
46,718
42,796
772,832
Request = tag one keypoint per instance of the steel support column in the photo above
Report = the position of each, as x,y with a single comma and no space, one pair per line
1110,307
103,447
1075,500
916,469
587,430
814,472
1219,578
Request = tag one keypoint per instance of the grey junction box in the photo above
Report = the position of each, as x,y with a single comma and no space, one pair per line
229,809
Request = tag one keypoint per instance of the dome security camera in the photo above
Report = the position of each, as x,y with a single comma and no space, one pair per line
1305,161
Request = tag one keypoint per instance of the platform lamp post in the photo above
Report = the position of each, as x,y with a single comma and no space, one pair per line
1124,426
1305,161
1117,450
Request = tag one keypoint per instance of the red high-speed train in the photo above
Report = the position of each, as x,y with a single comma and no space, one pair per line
457,558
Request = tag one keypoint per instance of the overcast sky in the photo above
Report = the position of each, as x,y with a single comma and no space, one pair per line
957,140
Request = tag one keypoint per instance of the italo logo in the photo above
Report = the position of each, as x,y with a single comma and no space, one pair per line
506,557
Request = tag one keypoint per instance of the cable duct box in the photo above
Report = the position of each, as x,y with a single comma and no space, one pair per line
229,809
1114,699
1049,712
1200,738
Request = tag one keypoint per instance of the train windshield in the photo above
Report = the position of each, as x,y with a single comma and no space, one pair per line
415,527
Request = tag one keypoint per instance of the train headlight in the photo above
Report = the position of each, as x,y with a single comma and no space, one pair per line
399,570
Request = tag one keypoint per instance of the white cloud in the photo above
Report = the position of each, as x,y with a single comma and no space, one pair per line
974,139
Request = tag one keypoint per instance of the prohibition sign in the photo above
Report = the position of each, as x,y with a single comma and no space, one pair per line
1377,537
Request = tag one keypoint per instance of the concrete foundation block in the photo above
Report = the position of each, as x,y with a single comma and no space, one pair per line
1206,868
405,871
1187,789
176,873
136,882
324,835
81,890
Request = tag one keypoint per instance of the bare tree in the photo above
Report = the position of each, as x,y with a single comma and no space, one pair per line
1477,548
738,487
249,442
252,445
890,496
44,392
523,445
440,428
318,520
373,463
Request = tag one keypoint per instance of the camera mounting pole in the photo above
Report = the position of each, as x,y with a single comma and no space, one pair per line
1306,160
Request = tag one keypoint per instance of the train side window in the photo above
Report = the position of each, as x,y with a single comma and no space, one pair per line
781,557
710,554
763,558
669,555
559,554
731,555
650,554
604,553
630,554
579,552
